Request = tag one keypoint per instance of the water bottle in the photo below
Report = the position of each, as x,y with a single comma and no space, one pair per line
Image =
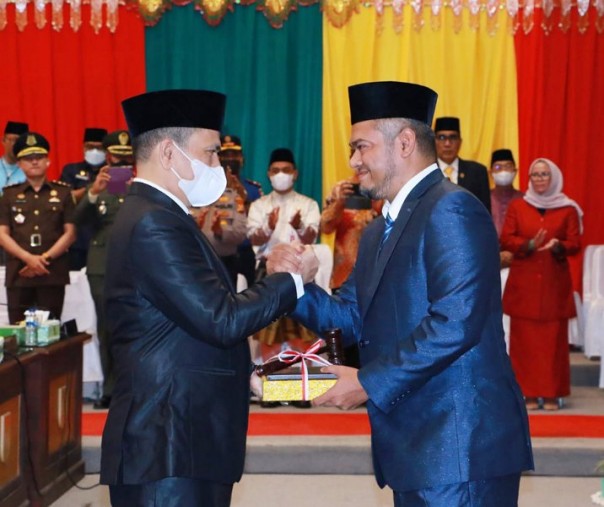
31,338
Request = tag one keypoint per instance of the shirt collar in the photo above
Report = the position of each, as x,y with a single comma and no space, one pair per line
164,191
455,164
393,208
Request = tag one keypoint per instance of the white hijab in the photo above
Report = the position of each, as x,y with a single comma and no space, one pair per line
553,196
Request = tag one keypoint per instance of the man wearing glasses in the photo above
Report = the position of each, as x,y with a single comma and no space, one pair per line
466,173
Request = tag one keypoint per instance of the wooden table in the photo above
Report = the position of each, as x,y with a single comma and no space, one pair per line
49,428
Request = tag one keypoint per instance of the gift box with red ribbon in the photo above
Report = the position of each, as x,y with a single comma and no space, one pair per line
302,382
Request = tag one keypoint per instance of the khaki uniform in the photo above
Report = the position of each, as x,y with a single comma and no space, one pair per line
36,221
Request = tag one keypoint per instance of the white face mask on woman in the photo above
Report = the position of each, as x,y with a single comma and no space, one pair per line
282,181
504,178
94,156
207,185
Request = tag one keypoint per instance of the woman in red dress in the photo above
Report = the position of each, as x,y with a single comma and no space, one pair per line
541,230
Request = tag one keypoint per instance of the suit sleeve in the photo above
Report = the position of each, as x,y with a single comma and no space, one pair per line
179,278
320,312
84,212
462,263
483,190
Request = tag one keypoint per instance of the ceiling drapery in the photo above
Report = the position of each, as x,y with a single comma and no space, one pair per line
561,15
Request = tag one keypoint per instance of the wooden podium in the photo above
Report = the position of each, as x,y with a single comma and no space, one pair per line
49,427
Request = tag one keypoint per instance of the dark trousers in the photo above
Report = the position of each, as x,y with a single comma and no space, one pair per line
46,297
495,492
97,284
172,492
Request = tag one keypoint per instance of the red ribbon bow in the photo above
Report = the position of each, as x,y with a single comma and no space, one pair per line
293,356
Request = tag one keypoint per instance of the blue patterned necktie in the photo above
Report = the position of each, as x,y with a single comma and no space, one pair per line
389,223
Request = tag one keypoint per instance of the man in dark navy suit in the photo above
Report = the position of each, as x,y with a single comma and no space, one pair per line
176,430
423,303
466,173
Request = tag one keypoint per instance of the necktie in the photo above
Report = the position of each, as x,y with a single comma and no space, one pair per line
448,171
387,229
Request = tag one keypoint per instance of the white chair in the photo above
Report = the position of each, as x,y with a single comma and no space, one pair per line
593,304
79,305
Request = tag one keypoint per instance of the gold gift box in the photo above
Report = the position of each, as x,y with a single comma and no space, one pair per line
286,385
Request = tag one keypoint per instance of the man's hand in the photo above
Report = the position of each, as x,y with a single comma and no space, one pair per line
341,190
285,258
35,265
273,218
101,181
296,220
256,385
309,264
216,225
348,392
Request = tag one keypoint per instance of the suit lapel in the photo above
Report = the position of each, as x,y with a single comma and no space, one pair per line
383,256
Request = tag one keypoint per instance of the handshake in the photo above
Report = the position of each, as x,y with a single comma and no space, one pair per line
293,258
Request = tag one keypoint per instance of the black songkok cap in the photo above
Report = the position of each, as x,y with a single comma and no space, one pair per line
282,155
230,143
15,127
94,135
503,154
118,143
391,99
174,108
30,143
447,123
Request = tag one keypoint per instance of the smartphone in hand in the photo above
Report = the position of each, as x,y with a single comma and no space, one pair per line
120,175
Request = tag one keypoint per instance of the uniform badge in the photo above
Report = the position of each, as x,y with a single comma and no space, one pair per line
82,175
102,208
54,193
19,218
120,200
31,140
54,199
123,138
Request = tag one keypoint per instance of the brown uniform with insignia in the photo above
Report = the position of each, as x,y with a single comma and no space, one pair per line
36,221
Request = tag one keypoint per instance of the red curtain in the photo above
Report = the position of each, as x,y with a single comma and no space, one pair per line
561,112
62,82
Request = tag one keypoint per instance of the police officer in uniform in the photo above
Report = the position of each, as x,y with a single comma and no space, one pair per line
231,158
80,175
97,210
224,223
36,230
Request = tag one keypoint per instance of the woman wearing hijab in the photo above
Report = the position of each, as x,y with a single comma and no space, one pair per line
541,230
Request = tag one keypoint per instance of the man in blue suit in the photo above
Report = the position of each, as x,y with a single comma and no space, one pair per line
176,429
448,422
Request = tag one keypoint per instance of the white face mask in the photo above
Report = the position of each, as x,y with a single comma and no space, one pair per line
207,185
282,181
504,178
94,156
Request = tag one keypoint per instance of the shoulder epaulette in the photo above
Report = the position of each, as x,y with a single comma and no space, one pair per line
14,185
254,183
60,183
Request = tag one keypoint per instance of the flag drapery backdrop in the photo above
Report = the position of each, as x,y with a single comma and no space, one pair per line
538,92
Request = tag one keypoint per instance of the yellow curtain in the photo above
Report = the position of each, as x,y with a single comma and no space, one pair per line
474,74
